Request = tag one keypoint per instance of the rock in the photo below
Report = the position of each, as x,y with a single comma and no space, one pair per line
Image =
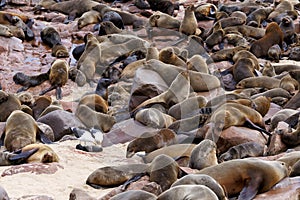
78,194
237,135
276,145
125,131
60,121
35,197
287,188
47,130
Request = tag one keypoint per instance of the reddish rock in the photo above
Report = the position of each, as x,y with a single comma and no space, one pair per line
78,194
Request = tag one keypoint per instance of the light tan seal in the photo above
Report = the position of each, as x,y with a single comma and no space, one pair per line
204,155
95,102
162,20
45,153
191,192
202,179
247,177
261,81
8,104
153,117
149,142
189,23
90,17
167,55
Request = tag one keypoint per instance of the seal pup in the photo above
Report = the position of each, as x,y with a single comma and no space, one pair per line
247,177
273,35
29,81
257,17
189,23
108,27
21,130
95,102
202,179
168,56
153,117
261,81
8,103
289,84
248,149
5,31
197,63
134,194
206,11
44,154
192,192
243,68
274,53
288,28
58,77
40,104
90,17
204,155
112,176
149,142
268,69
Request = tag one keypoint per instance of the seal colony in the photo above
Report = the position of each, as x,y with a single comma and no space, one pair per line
191,89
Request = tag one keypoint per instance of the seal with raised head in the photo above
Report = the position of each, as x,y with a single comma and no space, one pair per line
189,23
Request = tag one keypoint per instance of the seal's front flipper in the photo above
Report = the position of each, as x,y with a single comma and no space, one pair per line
250,189
22,157
131,180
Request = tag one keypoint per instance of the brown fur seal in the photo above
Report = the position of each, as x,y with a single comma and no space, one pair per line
91,118
177,92
50,36
262,81
281,115
268,70
88,61
204,155
167,55
243,68
45,154
231,21
5,31
256,17
205,11
262,104
26,98
20,130
108,27
246,54
40,104
175,151
149,142
8,104
248,149
58,77
246,31
59,51
191,192
134,194
7,158
291,138
295,171
274,53
90,17
165,6
202,179
247,177
282,7
112,176
215,37
189,23
288,28
236,39
289,84
153,117
164,171
273,35
95,102
226,54
275,92
29,81
163,20
197,63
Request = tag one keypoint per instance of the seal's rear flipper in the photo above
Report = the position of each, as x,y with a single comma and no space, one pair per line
250,189
22,157
131,180
43,138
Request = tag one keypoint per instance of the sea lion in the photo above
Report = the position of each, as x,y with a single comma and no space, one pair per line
44,154
291,138
163,20
248,149
243,68
164,171
153,117
273,35
191,192
202,179
226,54
89,60
268,70
274,53
288,28
282,7
246,31
175,151
249,177
197,63
16,158
112,176
168,56
134,195
205,11
8,104
50,36
59,51
204,155
58,77
281,115
73,8
40,104
216,36
95,102
177,92
149,142
231,21
90,17
108,27
289,84
246,54
258,16
29,81
295,171
262,81
26,98
189,23
21,130
91,118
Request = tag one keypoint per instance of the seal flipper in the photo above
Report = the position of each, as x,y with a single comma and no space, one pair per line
2,139
250,189
47,90
22,157
43,138
131,180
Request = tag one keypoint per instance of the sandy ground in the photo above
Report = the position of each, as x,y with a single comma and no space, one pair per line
76,166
